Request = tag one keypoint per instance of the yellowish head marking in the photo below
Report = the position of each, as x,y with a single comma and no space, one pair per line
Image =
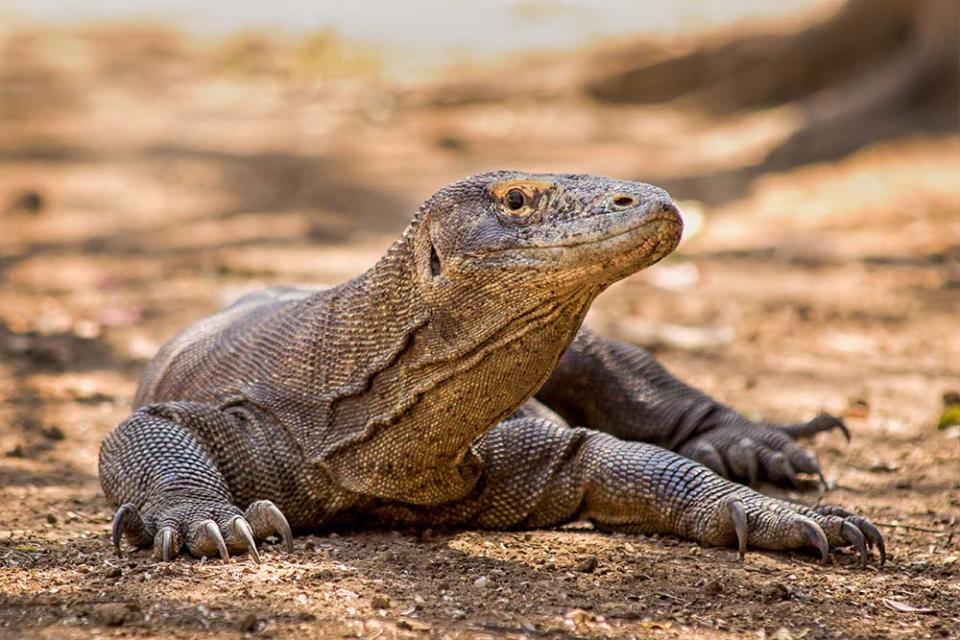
528,186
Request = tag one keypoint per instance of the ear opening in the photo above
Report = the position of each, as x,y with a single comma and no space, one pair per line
434,262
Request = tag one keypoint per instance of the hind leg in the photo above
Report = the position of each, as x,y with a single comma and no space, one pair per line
538,473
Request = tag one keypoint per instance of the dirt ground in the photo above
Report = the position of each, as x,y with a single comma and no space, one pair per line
145,180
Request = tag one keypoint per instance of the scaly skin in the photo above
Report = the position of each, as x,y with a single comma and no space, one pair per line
405,396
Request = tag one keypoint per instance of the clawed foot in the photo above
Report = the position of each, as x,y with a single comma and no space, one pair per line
746,518
201,529
748,452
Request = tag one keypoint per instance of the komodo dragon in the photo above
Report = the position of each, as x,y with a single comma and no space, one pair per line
452,385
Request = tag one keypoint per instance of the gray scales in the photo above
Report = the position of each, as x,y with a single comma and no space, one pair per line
452,385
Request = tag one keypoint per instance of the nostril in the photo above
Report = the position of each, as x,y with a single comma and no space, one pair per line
624,201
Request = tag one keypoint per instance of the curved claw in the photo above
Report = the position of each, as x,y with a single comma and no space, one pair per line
266,519
166,543
120,520
822,422
738,516
853,535
873,536
814,536
242,528
279,523
213,532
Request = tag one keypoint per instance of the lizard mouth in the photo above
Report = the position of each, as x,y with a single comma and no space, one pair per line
660,220
634,238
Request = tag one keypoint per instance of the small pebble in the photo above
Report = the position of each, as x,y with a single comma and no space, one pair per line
412,625
713,587
53,433
481,582
588,564
114,614
28,201
775,592
247,622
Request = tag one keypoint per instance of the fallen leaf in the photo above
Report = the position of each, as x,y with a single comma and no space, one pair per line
651,624
949,417
880,467
903,607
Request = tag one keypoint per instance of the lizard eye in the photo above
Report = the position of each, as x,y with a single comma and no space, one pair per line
515,199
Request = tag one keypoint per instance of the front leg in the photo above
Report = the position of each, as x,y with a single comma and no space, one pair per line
618,388
167,468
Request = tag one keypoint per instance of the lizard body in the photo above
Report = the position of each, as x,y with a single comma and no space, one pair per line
406,396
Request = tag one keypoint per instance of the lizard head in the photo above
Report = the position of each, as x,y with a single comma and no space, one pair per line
471,310
575,230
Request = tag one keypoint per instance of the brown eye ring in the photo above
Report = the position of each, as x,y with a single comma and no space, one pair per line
515,199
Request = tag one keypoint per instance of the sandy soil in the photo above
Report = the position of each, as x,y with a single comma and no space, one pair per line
145,181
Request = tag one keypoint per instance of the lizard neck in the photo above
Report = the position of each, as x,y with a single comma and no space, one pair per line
441,366
406,342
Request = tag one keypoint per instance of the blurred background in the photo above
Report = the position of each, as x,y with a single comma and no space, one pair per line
245,140
159,158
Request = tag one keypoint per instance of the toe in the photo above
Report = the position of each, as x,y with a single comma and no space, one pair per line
742,460
241,538
266,519
872,534
166,544
738,518
808,533
823,422
204,538
781,459
707,455
128,522
779,470
854,536
804,461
